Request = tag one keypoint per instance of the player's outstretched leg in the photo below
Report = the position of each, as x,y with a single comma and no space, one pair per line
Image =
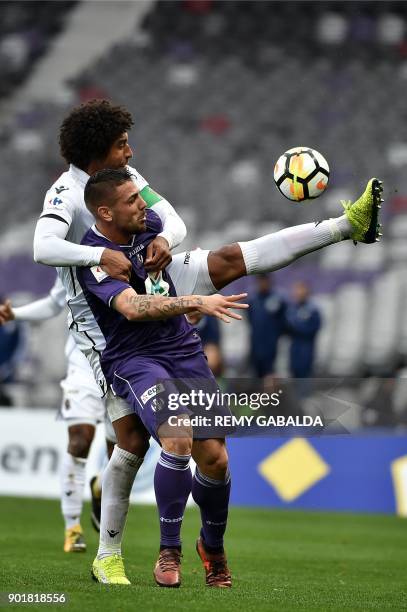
360,223
172,484
211,493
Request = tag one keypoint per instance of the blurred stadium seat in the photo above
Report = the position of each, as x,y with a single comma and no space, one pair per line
26,31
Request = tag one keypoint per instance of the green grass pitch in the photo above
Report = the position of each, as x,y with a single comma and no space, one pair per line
280,560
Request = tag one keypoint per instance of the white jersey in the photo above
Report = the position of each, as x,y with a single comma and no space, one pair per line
64,200
77,362
58,293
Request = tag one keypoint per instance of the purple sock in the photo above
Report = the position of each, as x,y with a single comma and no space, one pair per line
212,497
172,484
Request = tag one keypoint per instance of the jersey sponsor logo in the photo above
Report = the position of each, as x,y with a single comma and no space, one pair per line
54,203
187,258
152,392
157,404
136,250
98,273
61,189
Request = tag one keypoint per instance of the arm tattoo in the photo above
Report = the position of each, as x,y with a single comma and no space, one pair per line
157,307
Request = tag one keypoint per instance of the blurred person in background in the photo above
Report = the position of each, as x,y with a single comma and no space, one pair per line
303,322
267,322
11,349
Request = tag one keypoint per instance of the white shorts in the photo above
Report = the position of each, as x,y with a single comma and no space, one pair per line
85,409
116,407
78,400
81,399
189,273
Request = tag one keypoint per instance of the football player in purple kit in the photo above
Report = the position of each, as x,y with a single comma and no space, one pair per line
134,359
148,340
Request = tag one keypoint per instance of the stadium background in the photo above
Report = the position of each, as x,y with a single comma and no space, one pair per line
218,91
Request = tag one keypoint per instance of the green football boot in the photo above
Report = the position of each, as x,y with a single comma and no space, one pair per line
109,570
363,214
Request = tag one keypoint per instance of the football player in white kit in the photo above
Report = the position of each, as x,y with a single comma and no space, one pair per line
82,409
94,137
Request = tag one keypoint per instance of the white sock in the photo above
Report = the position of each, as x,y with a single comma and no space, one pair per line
73,475
118,480
275,251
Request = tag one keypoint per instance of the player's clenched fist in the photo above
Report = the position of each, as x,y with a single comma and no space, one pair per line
116,264
6,312
219,306
158,255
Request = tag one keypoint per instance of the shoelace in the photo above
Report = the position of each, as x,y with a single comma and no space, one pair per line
346,204
115,566
169,560
218,570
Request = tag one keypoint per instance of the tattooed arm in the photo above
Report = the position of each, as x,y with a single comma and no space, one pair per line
137,307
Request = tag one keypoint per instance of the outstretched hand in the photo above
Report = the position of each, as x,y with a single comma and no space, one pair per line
219,306
6,312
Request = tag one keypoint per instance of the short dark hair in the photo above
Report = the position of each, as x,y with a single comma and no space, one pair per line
89,131
101,187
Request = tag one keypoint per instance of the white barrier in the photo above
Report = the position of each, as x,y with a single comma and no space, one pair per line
32,443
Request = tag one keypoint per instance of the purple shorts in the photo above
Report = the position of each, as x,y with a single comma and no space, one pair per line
170,385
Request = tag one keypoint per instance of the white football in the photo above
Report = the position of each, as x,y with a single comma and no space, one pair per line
301,174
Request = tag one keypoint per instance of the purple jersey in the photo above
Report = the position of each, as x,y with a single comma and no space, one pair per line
126,339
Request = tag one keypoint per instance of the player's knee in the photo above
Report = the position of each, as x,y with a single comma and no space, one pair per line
177,446
176,435
226,265
79,444
229,253
135,443
215,461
